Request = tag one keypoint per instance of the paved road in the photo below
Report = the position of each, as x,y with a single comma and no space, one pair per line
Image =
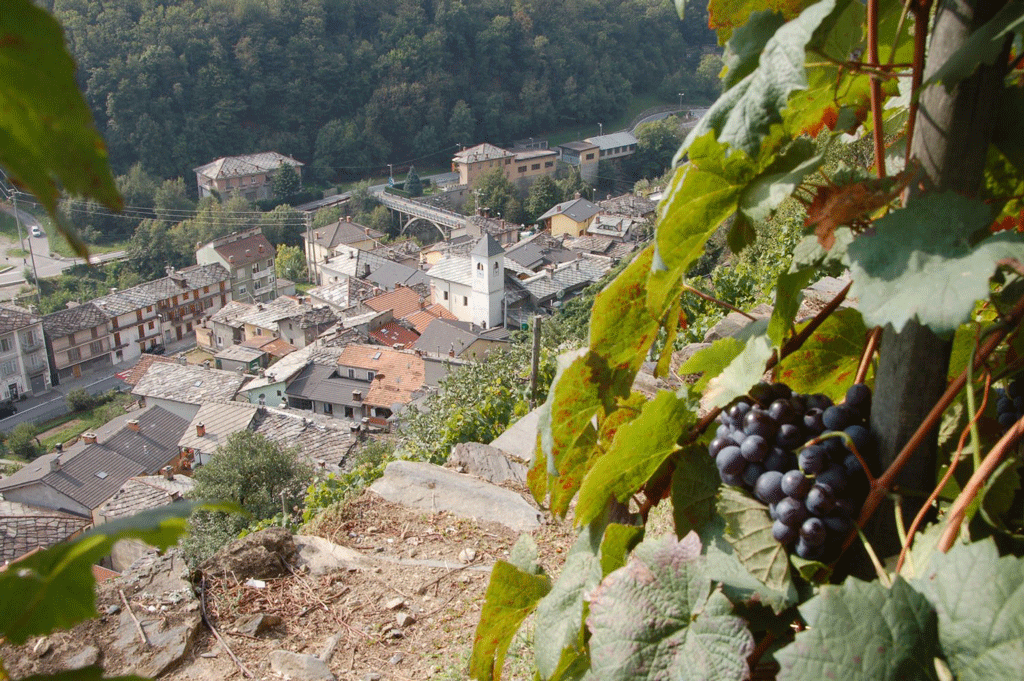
52,404
697,112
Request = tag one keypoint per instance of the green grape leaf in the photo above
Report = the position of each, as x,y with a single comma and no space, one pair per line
618,541
524,555
48,143
741,234
560,613
738,584
809,253
979,597
54,589
750,533
743,372
907,269
861,630
981,47
996,499
639,448
827,362
661,613
788,296
511,596
742,116
621,328
84,674
744,48
812,571
711,361
778,182
703,193
695,484
726,15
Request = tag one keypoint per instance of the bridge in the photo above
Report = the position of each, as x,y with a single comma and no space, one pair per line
411,211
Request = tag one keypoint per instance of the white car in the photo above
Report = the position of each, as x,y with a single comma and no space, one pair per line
36,231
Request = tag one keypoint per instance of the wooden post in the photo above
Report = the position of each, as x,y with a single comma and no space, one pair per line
535,360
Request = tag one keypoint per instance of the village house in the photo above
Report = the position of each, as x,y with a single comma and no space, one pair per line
614,145
322,242
582,155
249,176
522,167
267,389
24,367
77,341
27,528
183,388
571,217
164,310
463,340
472,288
249,257
376,269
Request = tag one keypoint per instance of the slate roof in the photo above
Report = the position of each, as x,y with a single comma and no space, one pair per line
232,313
383,272
90,475
13,318
134,375
269,315
482,152
486,247
578,146
247,250
188,383
319,438
152,292
454,268
71,320
25,528
629,205
344,231
249,164
342,295
445,335
326,384
565,278
399,376
144,492
394,334
239,353
390,274
220,420
291,365
578,210
613,140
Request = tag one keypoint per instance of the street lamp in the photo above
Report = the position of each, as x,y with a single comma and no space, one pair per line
391,174
600,126
681,100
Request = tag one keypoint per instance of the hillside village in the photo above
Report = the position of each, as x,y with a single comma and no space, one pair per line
325,368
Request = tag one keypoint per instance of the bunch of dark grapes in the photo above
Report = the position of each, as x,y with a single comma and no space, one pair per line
1010,403
813,493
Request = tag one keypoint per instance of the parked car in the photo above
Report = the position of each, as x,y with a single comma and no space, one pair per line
155,350
7,408
36,231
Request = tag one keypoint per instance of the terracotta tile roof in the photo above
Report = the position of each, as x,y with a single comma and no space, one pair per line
402,301
275,347
134,375
398,374
246,251
421,320
394,334
77,318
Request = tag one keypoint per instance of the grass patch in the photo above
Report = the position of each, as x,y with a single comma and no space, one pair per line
302,287
78,423
17,252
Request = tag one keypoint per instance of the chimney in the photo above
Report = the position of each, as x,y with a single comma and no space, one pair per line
261,248
200,429
89,438
59,447
55,464
367,230
168,472
348,218
578,195
133,425
357,396
231,258
248,252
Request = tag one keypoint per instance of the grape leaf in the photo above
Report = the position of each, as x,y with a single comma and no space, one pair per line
788,296
695,484
712,360
524,554
809,253
779,180
861,630
982,46
979,597
618,541
743,372
511,595
907,269
560,613
55,588
48,142
726,15
744,48
621,328
659,615
94,673
738,584
639,448
750,534
827,362
742,116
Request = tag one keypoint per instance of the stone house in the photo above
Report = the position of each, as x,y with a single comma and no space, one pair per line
249,176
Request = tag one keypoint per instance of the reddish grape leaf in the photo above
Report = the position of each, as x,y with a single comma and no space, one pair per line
726,15
835,206
827,362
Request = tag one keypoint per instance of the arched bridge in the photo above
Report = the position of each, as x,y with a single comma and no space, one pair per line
444,220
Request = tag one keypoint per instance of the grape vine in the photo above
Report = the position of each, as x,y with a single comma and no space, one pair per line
829,507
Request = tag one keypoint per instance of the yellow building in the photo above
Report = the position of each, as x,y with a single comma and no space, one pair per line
524,166
569,217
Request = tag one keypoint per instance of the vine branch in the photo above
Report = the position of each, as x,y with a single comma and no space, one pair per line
716,301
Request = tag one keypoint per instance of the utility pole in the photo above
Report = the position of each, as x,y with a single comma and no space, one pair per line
309,247
31,251
535,360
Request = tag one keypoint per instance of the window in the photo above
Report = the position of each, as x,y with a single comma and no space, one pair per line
480,266
495,267
74,354
508,161
465,301
521,169
548,164
149,309
351,373
328,408
590,156
8,367
206,289
241,290
151,325
445,295
95,332
370,375
270,263
96,348
6,345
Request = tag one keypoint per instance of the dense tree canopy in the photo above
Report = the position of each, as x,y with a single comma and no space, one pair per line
343,84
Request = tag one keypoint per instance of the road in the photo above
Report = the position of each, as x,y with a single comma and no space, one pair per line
46,266
52,404
698,113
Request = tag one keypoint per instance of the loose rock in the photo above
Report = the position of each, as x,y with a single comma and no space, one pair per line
404,619
394,604
300,667
262,554
251,625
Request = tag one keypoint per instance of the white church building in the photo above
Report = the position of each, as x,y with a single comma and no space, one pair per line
472,287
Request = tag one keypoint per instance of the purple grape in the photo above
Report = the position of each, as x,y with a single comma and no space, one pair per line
737,412
838,417
717,445
762,393
818,401
784,534
861,437
852,465
834,447
834,476
751,473
778,459
737,436
838,524
1007,419
723,431
773,512
795,484
754,448
769,487
732,480
799,404
820,500
730,461
759,423
789,436
808,552
812,460
782,391
858,395
782,411
791,512
813,532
